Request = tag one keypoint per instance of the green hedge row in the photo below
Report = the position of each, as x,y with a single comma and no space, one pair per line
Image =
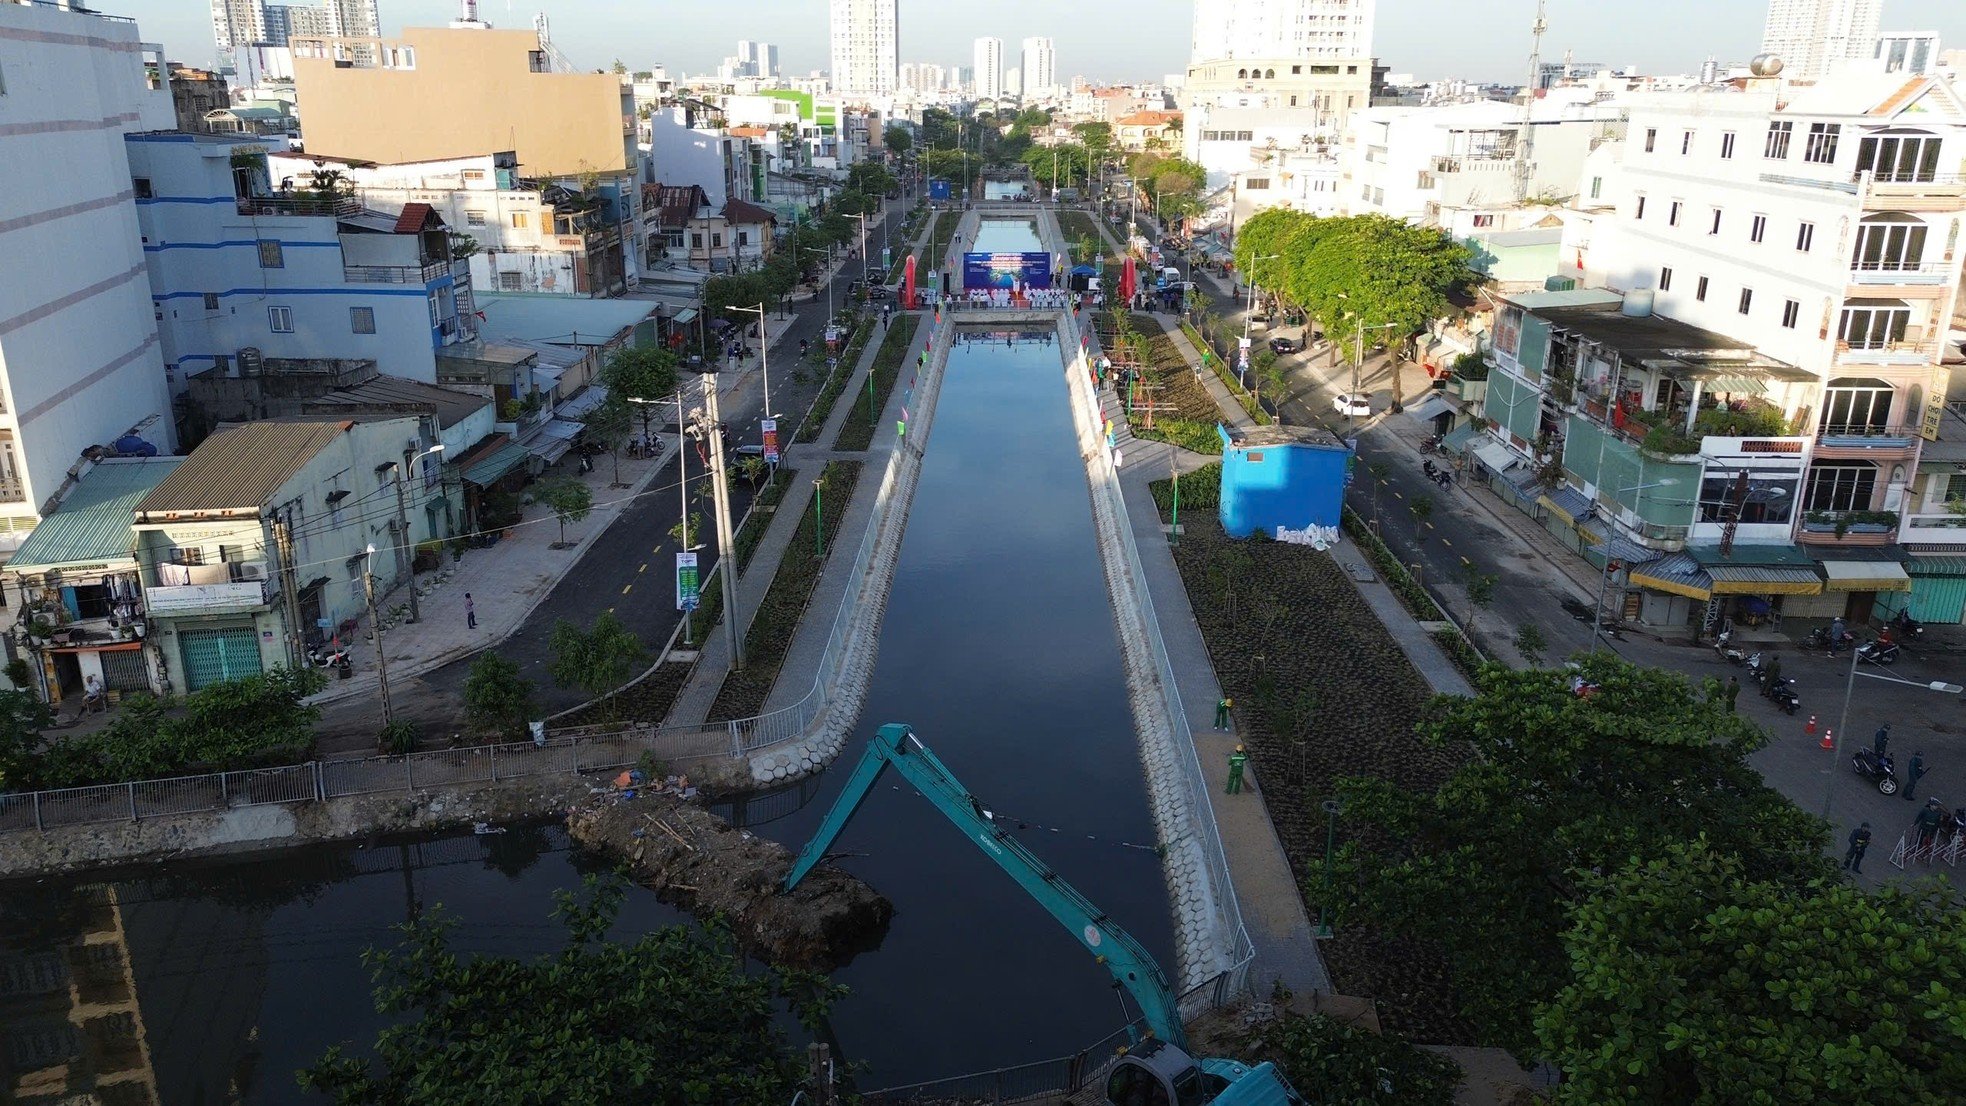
857,432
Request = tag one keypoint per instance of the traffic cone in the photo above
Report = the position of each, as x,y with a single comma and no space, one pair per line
1829,739
1809,727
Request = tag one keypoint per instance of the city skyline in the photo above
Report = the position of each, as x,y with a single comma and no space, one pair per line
596,32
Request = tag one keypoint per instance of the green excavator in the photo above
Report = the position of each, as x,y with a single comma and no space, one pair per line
1156,1069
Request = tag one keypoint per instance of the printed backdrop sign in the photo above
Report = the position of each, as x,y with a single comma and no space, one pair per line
1006,270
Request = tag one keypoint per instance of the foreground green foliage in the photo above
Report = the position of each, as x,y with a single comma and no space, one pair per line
22,718
1693,982
251,722
497,696
1489,866
673,1017
1335,1063
596,660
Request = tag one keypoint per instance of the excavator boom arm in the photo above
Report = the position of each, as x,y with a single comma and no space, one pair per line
1130,964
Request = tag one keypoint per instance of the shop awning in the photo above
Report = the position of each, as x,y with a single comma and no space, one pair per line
1431,408
1677,574
1495,455
1736,386
1865,576
684,317
1617,547
578,407
1948,565
487,472
1457,438
1568,504
1764,580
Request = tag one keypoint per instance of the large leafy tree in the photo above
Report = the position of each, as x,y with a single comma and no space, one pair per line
671,1017
1559,784
1378,272
898,139
1068,161
1693,982
596,660
1097,138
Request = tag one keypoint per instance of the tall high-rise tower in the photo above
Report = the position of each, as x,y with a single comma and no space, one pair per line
1040,65
1812,35
1227,29
864,47
237,23
988,58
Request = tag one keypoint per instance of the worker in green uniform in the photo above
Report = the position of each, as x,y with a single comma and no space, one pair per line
1222,706
1236,760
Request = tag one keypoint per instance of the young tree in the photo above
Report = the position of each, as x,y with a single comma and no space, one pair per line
23,717
570,501
1480,587
1690,981
1530,642
1556,783
640,373
1422,509
595,661
672,1016
609,426
497,698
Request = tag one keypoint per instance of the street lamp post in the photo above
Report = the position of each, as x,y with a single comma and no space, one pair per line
1843,722
764,359
1358,364
863,252
1331,809
375,631
1251,309
403,524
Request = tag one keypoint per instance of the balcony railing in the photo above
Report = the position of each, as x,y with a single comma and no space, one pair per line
395,274
1465,162
1886,353
205,598
1892,272
299,205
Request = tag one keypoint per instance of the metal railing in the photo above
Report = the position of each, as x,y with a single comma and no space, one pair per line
325,779
395,274
299,205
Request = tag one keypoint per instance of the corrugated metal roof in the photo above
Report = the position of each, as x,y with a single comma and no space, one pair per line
1678,574
486,471
240,468
1764,580
1937,566
93,522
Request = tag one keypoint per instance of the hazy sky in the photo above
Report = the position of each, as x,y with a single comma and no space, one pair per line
1100,39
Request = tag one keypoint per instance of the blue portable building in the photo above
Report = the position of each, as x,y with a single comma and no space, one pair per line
1281,476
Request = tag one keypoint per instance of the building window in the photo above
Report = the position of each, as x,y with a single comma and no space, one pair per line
280,319
474,218
696,241
474,174
1757,227
1856,405
1727,146
1651,138
716,240
1840,486
1640,213
1700,290
1484,221
1685,143
1665,279
1791,311
361,320
1805,236
1256,184
1899,157
743,238
1714,226
1777,145
1873,324
1767,499
1597,187
436,316
1672,213
1821,147
211,301
1747,300
1890,244
142,186
509,282
271,256
521,220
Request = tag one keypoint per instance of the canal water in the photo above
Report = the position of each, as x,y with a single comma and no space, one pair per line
998,646
1007,236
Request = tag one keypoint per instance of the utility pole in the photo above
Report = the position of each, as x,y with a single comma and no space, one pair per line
720,497
283,552
682,493
375,631
1536,30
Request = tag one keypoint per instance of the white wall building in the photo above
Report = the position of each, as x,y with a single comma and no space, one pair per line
248,280
1282,28
1812,36
986,63
1818,225
1915,53
1040,67
79,358
863,47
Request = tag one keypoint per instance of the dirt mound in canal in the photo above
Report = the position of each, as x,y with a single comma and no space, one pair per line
696,861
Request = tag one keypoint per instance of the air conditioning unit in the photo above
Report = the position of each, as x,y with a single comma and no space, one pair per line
251,361
249,570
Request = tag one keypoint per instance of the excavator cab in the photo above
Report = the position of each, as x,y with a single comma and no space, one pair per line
1155,1073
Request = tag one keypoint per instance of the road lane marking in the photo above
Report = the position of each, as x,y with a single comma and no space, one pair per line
1396,494
1465,561
642,569
1444,541
1431,526
625,588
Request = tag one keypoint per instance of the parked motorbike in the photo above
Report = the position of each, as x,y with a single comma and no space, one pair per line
1431,444
1907,627
329,656
1758,670
1876,767
1783,692
1727,652
1882,652
1819,639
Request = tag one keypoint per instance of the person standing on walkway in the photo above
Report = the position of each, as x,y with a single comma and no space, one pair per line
1733,692
1836,632
470,613
1236,760
1912,773
1222,706
1853,860
1881,741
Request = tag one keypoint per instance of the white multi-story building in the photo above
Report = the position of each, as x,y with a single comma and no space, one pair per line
1228,29
1915,53
986,58
1040,67
251,278
863,47
79,360
1812,36
1786,256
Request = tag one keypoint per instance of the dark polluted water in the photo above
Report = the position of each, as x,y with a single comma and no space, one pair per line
212,981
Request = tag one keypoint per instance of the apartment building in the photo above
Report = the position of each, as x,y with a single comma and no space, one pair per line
80,366
524,235
1740,396
863,47
252,276
1814,36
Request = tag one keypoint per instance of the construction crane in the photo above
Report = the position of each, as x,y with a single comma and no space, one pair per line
1157,1068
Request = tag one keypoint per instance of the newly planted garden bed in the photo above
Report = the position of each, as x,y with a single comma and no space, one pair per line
1079,227
1321,692
744,691
829,394
1168,404
857,432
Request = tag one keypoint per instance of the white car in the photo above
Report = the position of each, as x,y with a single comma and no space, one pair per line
1351,406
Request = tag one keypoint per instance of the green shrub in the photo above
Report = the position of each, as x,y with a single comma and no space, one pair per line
1337,1062
1195,437
399,737
1200,490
